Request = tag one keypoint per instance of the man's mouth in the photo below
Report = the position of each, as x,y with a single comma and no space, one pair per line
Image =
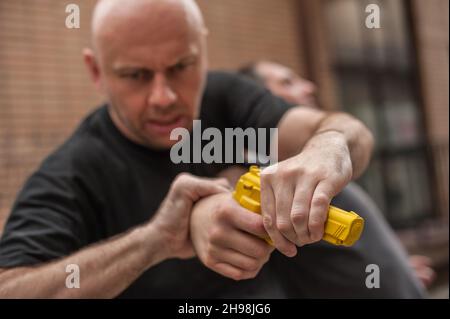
165,126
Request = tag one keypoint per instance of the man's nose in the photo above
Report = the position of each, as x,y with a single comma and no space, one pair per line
161,94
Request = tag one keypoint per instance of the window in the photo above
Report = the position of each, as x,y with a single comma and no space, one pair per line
374,70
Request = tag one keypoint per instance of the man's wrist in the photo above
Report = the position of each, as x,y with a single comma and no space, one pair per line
332,144
331,132
328,138
151,243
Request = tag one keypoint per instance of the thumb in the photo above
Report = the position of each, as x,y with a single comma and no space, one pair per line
224,182
203,187
192,188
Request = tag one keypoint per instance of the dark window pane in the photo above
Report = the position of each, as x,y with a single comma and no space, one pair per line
407,189
373,182
374,76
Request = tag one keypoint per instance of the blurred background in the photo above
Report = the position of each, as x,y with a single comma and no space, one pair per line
395,79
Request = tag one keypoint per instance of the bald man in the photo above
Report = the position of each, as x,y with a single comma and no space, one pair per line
111,204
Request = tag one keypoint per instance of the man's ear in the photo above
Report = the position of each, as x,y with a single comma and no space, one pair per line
93,68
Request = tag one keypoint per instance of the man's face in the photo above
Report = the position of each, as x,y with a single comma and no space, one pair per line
284,83
153,72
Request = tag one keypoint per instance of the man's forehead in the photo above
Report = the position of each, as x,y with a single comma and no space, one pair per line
150,34
133,41
270,69
150,59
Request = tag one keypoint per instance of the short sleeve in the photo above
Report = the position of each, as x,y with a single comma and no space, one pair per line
243,102
233,101
45,222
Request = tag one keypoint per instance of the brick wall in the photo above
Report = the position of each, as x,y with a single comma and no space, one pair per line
243,31
431,28
45,89
431,24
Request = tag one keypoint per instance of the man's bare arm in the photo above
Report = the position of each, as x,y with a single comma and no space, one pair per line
109,267
299,126
106,269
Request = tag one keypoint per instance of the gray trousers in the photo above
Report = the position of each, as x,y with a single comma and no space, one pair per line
322,270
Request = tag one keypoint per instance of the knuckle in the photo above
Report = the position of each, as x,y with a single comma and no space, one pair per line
320,199
265,175
222,212
216,234
310,237
314,229
301,171
264,259
298,217
307,241
261,252
315,235
335,176
316,172
286,173
222,180
287,250
209,251
209,261
251,265
267,222
316,223
181,182
259,227
239,275
303,239
182,178
284,226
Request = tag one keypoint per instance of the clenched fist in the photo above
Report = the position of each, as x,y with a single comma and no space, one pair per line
227,237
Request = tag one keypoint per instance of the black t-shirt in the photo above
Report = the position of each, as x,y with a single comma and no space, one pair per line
99,184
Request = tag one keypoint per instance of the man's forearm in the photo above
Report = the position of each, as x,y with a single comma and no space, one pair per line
106,268
358,138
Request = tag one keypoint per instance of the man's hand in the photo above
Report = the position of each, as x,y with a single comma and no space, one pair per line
172,218
296,193
422,266
225,237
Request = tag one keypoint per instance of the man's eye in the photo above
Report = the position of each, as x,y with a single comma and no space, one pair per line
178,68
286,82
137,76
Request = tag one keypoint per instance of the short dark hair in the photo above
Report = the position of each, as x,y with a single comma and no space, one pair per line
249,70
